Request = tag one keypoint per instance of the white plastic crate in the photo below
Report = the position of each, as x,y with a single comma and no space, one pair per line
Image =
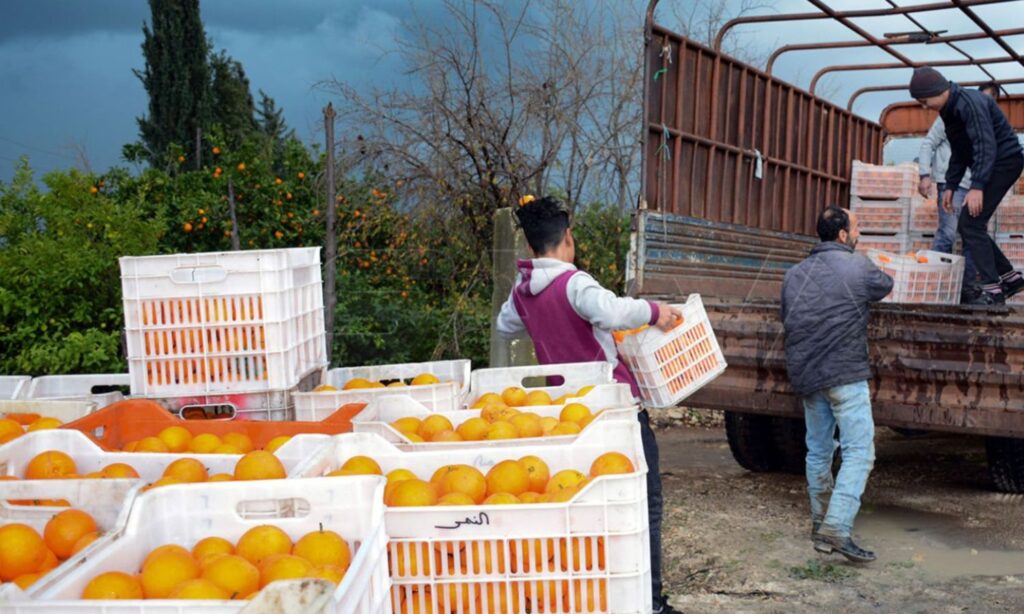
223,322
615,403
875,181
670,366
520,541
89,457
573,376
924,213
896,244
446,370
351,507
935,280
1012,246
77,388
882,216
1010,214
65,411
316,406
13,386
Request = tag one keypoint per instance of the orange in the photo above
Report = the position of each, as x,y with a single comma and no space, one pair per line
23,419
544,597
501,498
500,598
325,388
433,424
530,555
397,475
508,476
113,585
227,448
488,398
233,574
586,552
560,400
209,546
119,470
331,573
44,424
198,588
276,443
397,384
204,443
473,429
588,596
584,423
177,438
49,562
27,580
527,424
424,379
611,463
49,465
564,480
514,396
84,541
131,446
530,497
442,471
407,424
485,557
152,444
239,440
323,548
93,475
442,436
574,412
221,477
456,597
466,480
66,528
22,551
283,567
259,465
538,397
362,465
502,413
409,560
413,437
565,428
262,541
582,391
413,493
456,498
419,602
186,471
356,383
538,471
502,430
161,550
9,430
166,570
564,495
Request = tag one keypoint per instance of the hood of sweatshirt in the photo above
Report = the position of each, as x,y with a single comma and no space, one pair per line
537,274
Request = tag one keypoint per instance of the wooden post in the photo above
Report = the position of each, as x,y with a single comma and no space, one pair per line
509,245
235,238
331,247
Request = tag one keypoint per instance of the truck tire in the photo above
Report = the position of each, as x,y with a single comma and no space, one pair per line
1006,463
751,441
790,438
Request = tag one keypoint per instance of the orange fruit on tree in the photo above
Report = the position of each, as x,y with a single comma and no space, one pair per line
455,498
514,396
119,470
474,429
262,541
433,424
186,471
611,463
565,428
152,444
277,442
50,465
113,585
508,476
413,493
27,580
22,551
501,498
362,465
239,440
565,479
259,465
204,443
283,567
209,546
502,430
538,472
331,573
424,379
574,412
357,383
198,588
233,574
538,397
442,436
166,570
466,480
323,548
488,398
408,424
66,528
44,424
527,424
9,430
176,438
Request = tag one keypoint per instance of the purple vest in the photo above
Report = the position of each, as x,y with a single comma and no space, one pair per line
559,334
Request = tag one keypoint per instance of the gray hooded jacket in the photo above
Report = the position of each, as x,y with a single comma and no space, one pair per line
825,302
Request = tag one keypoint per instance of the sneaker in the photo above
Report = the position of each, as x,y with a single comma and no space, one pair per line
968,294
661,606
988,299
1012,287
815,527
827,544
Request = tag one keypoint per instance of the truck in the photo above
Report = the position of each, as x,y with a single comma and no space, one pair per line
736,165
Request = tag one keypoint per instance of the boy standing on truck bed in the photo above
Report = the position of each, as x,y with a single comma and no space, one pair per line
825,302
570,318
981,139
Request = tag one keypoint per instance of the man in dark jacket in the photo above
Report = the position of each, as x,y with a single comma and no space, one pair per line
980,138
825,302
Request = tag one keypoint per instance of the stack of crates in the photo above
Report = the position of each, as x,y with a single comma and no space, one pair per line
882,197
225,329
1010,230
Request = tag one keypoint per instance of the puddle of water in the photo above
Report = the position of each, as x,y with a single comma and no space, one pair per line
935,543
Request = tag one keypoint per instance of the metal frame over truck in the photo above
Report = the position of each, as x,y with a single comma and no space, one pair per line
736,165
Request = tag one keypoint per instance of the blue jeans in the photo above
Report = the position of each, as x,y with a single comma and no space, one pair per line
945,234
835,503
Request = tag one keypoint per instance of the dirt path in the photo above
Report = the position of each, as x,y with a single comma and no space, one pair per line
738,542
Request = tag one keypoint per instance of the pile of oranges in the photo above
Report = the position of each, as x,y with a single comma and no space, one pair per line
360,383
215,568
496,421
26,556
15,425
524,480
515,396
178,440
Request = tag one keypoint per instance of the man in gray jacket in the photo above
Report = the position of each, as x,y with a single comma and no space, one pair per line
825,302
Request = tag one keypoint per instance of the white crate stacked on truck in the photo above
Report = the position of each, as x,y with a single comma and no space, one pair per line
882,197
444,396
928,277
14,386
557,380
352,507
507,554
65,411
670,366
224,322
1010,215
82,387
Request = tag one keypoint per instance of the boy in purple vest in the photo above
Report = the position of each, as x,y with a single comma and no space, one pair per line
570,318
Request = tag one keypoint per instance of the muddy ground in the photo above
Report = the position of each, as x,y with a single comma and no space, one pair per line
737,541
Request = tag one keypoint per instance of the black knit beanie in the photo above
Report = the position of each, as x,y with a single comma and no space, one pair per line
927,82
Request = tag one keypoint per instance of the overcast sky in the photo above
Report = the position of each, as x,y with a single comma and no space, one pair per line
67,65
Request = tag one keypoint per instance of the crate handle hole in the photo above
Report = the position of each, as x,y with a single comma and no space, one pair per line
211,411
542,381
264,509
198,275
